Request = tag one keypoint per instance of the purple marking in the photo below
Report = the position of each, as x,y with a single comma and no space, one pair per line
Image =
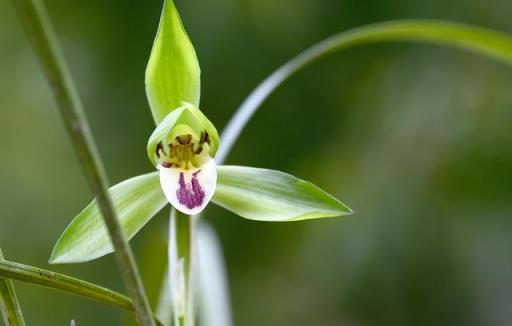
190,195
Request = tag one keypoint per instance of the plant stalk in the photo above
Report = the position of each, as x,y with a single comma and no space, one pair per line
183,267
65,283
9,304
34,18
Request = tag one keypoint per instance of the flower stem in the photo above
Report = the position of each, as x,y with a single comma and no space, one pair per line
34,17
183,267
33,275
9,304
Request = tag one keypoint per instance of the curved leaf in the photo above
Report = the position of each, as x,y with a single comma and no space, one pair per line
273,196
136,201
173,73
474,39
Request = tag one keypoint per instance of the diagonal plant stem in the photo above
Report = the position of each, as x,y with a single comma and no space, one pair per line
478,40
11,310
65,283
41,277
34,17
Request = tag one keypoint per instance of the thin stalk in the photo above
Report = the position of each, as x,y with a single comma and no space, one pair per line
34,17
9,304
41,277
183,267
478,40
65,283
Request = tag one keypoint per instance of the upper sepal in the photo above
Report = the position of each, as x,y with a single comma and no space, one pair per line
172,73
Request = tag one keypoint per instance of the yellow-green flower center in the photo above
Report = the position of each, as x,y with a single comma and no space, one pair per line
184,151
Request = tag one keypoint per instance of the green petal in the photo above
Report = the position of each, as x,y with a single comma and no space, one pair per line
186,119
136,201
173,73
273,196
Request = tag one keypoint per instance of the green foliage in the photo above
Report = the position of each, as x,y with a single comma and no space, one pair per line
173,78
42,277
172,73
65,283
9,304
483,41
136,200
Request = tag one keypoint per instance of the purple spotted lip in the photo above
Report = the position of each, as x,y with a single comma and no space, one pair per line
190,195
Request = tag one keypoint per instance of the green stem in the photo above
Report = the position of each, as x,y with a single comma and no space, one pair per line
11,310
183,267
35,19
68,284
38,276
478,40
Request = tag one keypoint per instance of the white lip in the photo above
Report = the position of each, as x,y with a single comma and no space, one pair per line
193,192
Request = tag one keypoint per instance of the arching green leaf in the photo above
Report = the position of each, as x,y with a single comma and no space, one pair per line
482,41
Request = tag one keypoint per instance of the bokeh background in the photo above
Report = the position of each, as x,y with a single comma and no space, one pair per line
415,138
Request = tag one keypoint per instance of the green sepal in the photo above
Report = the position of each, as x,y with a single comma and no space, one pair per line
273,196
257,194
172,73
135,200
187,119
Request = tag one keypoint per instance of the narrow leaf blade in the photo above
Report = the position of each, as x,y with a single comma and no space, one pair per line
173,73
136,201
273,196
485,42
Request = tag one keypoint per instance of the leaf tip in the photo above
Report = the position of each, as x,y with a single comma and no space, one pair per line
344,210
55,258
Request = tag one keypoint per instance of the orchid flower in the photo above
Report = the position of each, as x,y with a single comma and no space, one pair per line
182,149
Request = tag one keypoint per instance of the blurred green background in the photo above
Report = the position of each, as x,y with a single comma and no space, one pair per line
415,138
